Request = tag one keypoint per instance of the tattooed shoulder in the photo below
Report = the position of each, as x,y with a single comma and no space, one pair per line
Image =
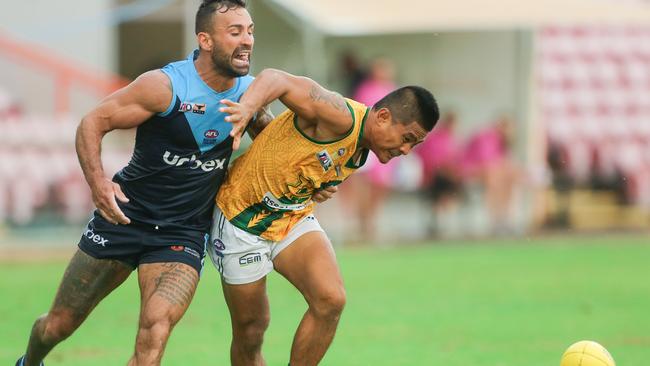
336,100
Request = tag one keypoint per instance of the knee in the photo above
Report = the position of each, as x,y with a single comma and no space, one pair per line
153,334
57,326
329,304
154,331
251,330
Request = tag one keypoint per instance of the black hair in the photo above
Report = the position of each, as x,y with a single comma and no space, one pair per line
411,103
208,7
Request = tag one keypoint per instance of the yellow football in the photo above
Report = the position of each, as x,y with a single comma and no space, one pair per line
587,353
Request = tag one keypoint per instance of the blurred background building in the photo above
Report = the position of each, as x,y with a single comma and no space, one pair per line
546,106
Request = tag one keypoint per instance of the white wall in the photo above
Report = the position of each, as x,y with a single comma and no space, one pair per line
476,73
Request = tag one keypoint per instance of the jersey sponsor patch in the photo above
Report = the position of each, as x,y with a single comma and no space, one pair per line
192,252
183,248
249,259
273,203
324,159
198,108
193,162
95,238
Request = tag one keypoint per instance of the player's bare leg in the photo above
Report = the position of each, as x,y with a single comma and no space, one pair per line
85,283
166,290
309,263
499,182
249,315
372,197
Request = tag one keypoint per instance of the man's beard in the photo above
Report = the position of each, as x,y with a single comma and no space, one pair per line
222,65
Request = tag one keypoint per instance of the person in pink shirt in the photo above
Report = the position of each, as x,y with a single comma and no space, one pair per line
440,155
368,189
486,160
440,150
378,83
486,149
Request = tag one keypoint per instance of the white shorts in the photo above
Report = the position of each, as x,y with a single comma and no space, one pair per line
242,257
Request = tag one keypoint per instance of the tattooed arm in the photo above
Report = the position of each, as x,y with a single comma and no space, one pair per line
263,118
310,101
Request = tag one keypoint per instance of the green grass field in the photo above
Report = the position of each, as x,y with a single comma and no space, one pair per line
496,303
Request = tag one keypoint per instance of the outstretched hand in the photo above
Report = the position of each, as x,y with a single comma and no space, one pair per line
239,115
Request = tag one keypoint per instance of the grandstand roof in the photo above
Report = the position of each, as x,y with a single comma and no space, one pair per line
360,17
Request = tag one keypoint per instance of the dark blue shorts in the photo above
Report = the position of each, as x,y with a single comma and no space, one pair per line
139,243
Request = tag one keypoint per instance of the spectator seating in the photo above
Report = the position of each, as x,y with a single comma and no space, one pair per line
39,169
594,87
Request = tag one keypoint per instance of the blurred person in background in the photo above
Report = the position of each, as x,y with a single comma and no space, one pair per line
9,108
264,217
154,215
442,177
367,191
351,72
378,83
487,161
557,158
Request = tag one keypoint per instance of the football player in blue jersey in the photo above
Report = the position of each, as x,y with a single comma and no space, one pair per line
154,214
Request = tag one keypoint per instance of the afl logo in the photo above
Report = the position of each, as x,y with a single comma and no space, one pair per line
211,134
218,244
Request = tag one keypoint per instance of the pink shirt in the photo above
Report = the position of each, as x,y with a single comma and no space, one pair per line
485,148
370,92
438,150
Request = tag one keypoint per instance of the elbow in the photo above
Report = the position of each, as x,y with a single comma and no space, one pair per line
81,126
269,73
90,126
274,76
84,127
277,82
82,132
88,121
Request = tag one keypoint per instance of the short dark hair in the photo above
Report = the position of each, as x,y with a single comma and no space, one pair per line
411,103
208,7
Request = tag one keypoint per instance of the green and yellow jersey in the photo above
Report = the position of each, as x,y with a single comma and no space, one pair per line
269,188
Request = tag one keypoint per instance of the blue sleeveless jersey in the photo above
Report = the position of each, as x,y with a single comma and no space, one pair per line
180,156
